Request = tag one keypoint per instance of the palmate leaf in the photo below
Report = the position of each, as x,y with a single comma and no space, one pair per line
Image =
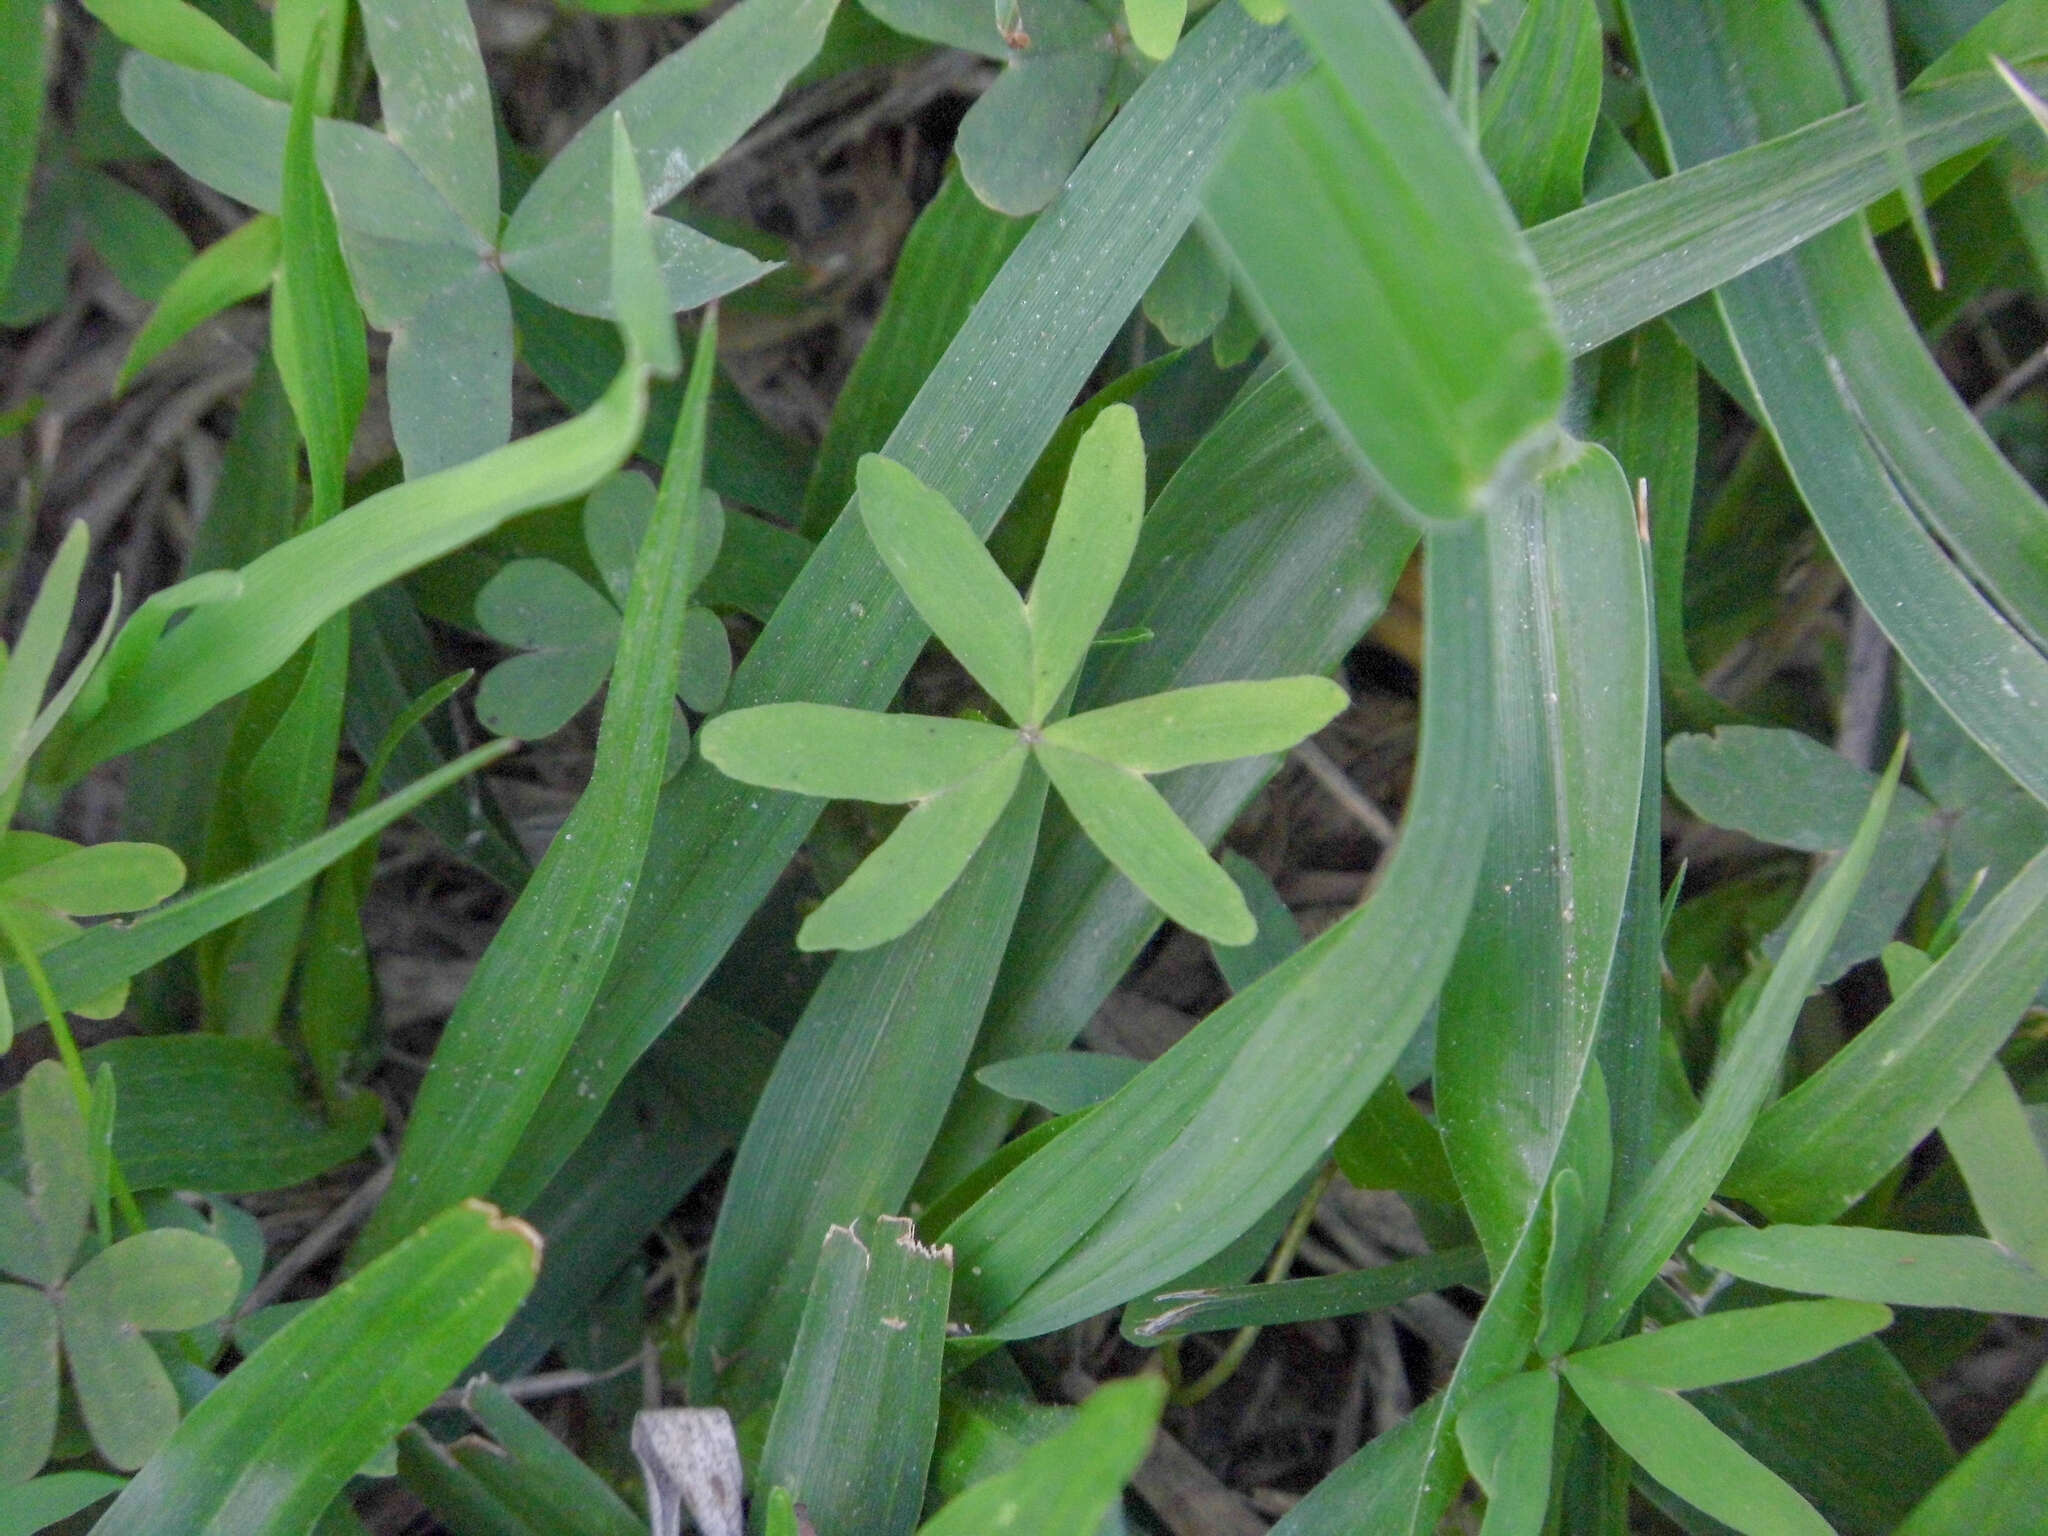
851,754
1214,723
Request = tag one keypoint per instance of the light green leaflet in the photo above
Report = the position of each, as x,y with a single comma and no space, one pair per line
958,775
418,204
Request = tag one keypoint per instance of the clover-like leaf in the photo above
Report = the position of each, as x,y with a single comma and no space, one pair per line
1213,723
951,580
1155,25
59,1165
851,754
568,634
28,1382
1087,552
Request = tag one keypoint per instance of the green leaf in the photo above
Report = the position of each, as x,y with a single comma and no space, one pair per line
638,301
1522,1005
141,244
1059,1081
1538,110
541,1477
1862,31
1292,1301
59,1167
851,754
42,1504
105,878
106,955
1678,1446
1155,25
900,881
852,1433
952,252
1906,1269
1816,1151
1019,142
706,669
26,671
681,115
28,1384
1851,396
285,594
238,266
850,1111
1210,724
950,580
162,1281
335,1384
1644,1232
21,116
1999,1486
1134,826
1734,1346
1093,535
1506,1432
521,1011
845,634
1986,1132
1177,1165
1191,296
568,634
316,325
1067,1483
1359,187
186,35
437,102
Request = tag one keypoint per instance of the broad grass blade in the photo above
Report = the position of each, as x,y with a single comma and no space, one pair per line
2000,1484
1537,112
1988,1134
1735,1345
1571,639
1906,1269
852,1434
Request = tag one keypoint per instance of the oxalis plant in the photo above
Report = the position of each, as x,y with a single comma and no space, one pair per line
957,776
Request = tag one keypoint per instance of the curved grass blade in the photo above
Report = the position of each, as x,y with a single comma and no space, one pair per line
1359,189
1175,1165
897,884
845,634
2000,1484
1292,1301
108,954
1819,1149
268,1449
238,266
1647,1230
520,1013
850,754
1537,112
1210,723
186,35
950,579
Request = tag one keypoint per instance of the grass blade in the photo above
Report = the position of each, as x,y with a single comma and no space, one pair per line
1905,1269
1293,1301
520,1013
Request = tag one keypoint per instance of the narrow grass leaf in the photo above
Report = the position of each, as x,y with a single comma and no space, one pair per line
1211,724
21,121
1358,188
844,634
1645,1232
1349,1294
952,253
1537,112
900,881
559,1489
1735,1345
1987,1133
110,953
2000,1484
238,266
1817,1150
1506,1432
1678,1446
40,1505
950,579
1134,826
267,1450
852,1434
1905,1269
1194,1149
1862,30
520,1013
316,325
1067,1484
1571,639
25,673
850,754
1089,549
